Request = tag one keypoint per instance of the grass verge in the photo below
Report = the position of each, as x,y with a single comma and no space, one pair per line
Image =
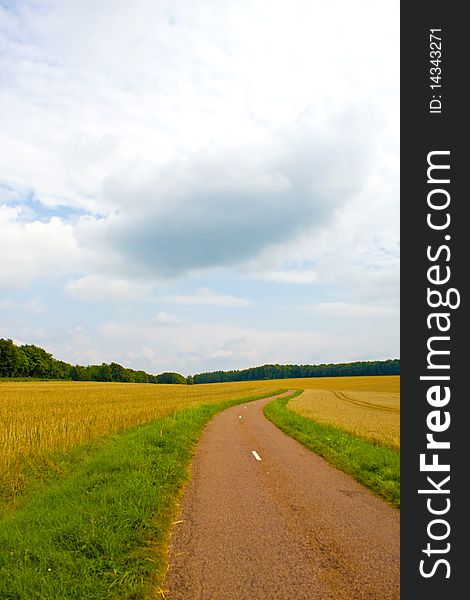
101,532
376,467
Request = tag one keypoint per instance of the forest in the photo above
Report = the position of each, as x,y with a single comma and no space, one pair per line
375,367
29,361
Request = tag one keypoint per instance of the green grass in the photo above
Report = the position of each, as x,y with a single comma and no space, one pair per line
101,530
374,466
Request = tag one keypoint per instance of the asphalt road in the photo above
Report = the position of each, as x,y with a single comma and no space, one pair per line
286,527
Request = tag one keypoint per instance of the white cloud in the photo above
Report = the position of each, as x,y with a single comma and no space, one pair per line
345,309
225,205
221,354
201,346
35,250
147,141
206,297
96,287
169,121
290,276
164,318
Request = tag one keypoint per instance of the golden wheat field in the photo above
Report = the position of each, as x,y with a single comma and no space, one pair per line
383,383
37,418
365,406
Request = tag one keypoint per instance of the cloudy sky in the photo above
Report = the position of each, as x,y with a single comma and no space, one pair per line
199,185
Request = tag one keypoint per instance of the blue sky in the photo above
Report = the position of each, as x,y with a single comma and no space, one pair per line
191,186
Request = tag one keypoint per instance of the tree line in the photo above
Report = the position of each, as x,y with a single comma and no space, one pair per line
375,367
32,361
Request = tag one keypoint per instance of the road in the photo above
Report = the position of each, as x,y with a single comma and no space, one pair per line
263,518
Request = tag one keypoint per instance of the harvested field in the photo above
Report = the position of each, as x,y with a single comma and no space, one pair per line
384,383
372,415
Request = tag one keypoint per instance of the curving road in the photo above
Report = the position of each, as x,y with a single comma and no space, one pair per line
286,527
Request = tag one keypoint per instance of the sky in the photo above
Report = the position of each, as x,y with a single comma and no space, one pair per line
190,186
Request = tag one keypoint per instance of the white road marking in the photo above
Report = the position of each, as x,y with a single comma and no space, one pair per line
256,455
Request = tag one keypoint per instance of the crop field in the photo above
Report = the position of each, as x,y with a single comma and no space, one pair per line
352,422
384,383
91,473
38,418
372,415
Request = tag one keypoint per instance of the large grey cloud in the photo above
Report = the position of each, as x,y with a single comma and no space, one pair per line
181,129
144,103
219,207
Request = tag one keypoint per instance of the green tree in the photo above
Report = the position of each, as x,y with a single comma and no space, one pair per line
40,362
170,378
117,372
141,377
8,358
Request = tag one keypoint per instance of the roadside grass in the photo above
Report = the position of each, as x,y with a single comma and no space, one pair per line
102,530
376,467
44,420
